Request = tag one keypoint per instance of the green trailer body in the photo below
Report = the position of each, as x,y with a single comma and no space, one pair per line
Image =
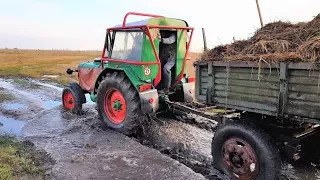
279,89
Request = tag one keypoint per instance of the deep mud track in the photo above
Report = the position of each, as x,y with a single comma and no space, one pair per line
84,148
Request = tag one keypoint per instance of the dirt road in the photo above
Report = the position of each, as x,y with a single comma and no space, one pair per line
83,148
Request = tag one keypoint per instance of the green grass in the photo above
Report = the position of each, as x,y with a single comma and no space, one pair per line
14,161
36,63
25,83
6,96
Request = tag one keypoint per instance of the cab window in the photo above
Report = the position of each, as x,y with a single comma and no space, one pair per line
127,45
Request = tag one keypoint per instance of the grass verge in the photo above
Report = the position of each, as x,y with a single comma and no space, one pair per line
20,160
6,96
25,83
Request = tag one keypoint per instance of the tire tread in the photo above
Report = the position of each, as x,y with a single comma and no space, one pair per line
121,82
262,144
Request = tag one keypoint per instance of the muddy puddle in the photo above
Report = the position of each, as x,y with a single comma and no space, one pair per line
84,148
29,98
13,106
9,126
50,76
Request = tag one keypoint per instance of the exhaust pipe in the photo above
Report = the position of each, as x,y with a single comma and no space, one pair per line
204,39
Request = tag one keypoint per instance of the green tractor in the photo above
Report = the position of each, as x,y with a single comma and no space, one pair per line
127,80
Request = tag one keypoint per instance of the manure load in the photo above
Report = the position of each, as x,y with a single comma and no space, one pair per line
275,72
278,41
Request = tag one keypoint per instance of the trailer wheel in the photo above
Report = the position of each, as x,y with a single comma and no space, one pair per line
244,152
72,99
118,103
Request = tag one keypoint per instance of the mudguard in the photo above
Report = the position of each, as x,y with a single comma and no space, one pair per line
149,101
188,91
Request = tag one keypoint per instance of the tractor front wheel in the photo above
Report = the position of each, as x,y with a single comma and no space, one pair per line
118,103
72,98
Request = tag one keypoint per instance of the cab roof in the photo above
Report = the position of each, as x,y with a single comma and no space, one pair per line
163,21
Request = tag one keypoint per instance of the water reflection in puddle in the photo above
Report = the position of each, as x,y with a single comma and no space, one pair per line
50,104
45,104
50,76
11,126
89,101
14,106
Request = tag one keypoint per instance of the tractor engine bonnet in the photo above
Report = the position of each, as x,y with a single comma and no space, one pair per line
87,77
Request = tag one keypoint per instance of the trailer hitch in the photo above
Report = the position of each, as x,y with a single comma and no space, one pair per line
181,107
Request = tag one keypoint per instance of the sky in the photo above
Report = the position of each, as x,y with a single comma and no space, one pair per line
81,24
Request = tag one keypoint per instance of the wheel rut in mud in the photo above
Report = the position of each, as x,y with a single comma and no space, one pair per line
182,141
190,144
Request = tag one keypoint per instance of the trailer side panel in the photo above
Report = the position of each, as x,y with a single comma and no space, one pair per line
304,93
276,89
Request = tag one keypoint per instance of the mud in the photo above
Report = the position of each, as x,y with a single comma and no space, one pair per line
191,146
184,142
85,149
82,147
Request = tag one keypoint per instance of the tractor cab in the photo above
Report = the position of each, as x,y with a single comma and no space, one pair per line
138,45
126,80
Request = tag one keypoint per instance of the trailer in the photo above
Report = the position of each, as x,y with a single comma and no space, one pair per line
278,103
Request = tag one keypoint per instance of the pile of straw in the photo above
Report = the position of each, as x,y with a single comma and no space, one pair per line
278,41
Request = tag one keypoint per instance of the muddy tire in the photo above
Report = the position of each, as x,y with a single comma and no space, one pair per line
246,151
73,98
118,103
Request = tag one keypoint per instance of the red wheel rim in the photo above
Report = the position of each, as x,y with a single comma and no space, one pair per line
115,106
68,100
240,159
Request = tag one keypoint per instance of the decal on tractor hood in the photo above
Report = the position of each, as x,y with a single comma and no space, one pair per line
147,71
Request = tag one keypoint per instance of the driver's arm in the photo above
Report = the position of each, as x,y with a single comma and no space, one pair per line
169,40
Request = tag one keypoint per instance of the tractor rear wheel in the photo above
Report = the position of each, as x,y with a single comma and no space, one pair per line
73,98
244,152
118,103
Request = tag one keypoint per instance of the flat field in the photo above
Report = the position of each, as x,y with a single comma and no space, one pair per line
51,64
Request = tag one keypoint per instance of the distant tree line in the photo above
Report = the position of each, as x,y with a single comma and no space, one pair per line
58,49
